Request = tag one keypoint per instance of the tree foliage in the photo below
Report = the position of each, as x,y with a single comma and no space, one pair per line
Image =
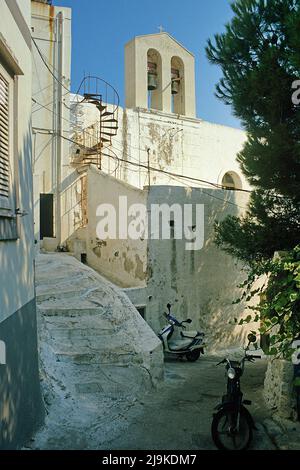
279,306
259,54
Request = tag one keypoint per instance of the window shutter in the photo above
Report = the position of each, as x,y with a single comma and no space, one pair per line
4,138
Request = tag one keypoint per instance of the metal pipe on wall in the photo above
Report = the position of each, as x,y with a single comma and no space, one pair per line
59,127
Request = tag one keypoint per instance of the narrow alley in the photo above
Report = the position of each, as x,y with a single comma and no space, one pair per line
99,391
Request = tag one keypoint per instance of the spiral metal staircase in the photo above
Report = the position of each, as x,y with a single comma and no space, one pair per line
94,141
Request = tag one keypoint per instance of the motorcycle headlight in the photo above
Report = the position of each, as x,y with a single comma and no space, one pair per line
231,373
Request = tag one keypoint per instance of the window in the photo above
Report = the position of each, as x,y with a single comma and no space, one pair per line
8,222
4,143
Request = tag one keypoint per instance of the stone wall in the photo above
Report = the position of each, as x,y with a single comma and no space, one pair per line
200,284
278,388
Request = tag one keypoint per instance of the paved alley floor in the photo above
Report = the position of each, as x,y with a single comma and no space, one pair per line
176,415
99,361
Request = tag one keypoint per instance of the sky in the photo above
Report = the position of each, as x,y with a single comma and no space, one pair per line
100,30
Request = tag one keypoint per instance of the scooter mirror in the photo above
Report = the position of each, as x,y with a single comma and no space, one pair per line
169,307
251,338
189,320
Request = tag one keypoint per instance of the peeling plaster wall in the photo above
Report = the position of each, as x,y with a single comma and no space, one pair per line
122,261
199,284
191,147
177,144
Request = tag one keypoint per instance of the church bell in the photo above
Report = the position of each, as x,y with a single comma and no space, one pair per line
152,76
175,81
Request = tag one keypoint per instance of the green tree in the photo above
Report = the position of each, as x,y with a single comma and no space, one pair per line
259,55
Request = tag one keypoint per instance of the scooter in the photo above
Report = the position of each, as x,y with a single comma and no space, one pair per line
232,425
189,345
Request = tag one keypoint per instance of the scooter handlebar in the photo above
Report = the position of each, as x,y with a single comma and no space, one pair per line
222,362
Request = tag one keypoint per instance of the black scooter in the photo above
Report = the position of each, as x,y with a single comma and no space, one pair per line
232,425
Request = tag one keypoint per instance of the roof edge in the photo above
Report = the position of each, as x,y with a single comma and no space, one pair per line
159,34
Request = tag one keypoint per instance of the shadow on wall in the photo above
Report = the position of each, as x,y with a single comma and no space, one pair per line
74,204
201,284
16,256
21,408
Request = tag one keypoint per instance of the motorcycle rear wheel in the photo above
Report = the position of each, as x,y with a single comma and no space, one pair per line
193,356
224,434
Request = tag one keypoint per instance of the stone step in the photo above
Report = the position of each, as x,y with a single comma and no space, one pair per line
53,295
59,292
82,322
109,389
64,311
62,277
69,333
101,358
93,344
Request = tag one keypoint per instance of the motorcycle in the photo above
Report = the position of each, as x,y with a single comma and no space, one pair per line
232,425
189,345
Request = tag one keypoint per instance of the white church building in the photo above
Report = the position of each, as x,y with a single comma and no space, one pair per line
158,128
160,152
155,150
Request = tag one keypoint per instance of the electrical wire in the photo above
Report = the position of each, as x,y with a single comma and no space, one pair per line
139,165
47,66
210,195
190,178
217,186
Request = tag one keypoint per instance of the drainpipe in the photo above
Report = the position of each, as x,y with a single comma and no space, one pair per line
59,143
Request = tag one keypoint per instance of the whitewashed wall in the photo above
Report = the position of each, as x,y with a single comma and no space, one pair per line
16,257
51,115
184,146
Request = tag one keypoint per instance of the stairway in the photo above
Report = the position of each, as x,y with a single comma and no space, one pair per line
97,353
104,97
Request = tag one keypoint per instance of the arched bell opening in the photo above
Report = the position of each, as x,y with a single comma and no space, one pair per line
231,180
177,86
154,77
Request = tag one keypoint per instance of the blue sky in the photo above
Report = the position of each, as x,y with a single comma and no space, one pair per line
101,29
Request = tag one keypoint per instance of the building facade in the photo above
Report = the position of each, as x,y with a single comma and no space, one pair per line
159,137
21,409
153,149
200,283
51,77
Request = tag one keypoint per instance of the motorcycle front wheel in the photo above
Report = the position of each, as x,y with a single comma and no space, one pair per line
225,432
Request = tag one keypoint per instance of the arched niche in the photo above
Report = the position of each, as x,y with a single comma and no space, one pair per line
154,77
231,180
177,86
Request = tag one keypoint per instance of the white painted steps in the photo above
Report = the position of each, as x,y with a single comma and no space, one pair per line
97,353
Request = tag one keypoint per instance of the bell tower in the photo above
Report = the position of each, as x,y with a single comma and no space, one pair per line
160,74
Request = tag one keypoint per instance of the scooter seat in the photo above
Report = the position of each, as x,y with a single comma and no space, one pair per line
189,334
179,344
